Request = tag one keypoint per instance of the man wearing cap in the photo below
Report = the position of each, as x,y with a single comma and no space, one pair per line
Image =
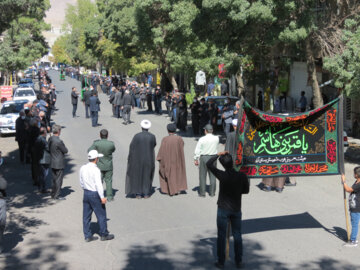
230,144
94,201
172,171
141,163
57,150
206,148
105,164
127,103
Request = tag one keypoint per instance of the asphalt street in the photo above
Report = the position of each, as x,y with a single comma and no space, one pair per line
301,228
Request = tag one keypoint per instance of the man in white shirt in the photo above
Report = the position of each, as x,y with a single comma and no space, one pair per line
94,200
205,149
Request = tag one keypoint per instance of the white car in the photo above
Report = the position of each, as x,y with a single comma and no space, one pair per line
8,114
24,93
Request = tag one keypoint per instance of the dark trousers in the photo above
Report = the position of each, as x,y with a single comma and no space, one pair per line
157,105
74,110
223,217
106,176
227,129
34,169
58,175
94,118
92,203
87,109
22,148
126,113
118,111
195,124
203,170
43,172
149,104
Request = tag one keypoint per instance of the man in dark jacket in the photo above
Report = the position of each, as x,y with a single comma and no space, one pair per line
21,128
86,100
149,97
94,109
42,157
74,100
127,103
57,152
232,185
157,100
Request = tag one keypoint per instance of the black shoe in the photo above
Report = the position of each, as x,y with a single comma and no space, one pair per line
202,196
124,123
219,265
290,184
239,265
107,237
92,238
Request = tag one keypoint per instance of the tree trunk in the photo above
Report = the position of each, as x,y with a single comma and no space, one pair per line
170,75
317,98
240,83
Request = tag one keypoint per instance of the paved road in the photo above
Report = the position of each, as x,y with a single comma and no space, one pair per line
302,228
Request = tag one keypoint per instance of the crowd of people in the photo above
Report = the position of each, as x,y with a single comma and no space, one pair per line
33,126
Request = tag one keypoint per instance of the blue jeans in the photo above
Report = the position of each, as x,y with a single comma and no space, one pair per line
92,203
138,104
355,218
223,216
94,118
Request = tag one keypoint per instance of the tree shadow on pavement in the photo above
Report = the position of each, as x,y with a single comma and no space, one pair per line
23,198
201,254
41,254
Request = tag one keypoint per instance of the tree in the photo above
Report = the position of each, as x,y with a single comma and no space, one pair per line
22,44
11,10
345,67
59,50
317,27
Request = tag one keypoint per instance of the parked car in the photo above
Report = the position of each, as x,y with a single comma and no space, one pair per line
26,82
24,93
220,101
9,113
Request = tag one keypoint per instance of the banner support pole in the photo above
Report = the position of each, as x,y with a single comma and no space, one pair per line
346,216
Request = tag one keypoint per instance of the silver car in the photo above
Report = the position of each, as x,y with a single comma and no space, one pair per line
8,114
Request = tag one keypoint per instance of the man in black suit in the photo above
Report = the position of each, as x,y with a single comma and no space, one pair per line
94,108
74,100
57,152
21,128
86,100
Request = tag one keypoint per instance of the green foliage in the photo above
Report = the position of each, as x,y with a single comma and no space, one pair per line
11,10
345,67
22,43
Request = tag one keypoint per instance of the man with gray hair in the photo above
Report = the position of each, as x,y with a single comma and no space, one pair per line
126,104
206,148
57,150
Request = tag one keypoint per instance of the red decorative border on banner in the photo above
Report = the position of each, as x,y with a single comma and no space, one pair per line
248,170
272,119
291,168
331,120
268,170
331,151
315,168
239,154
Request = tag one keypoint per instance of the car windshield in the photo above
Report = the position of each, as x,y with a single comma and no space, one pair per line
12,108
25,81
24,93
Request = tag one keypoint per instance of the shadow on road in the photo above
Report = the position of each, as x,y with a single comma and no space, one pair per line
22,200
202,255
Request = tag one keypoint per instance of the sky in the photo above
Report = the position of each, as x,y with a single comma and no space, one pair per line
56,14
